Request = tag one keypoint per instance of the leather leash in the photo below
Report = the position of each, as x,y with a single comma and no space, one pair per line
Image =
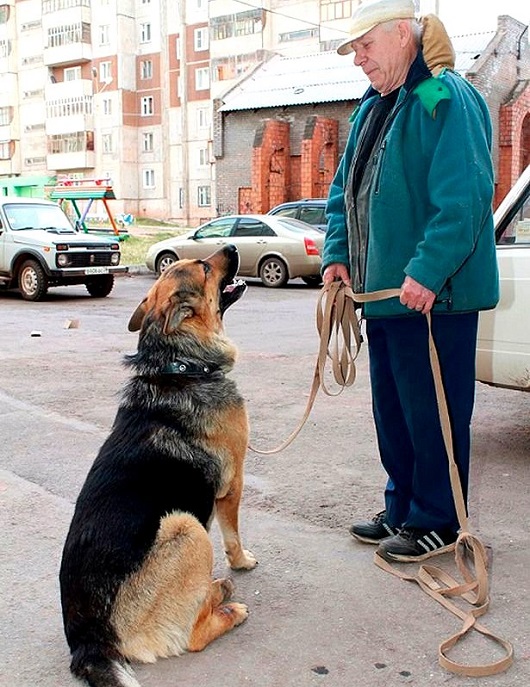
337,324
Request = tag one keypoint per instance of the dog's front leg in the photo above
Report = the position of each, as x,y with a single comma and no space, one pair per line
227,512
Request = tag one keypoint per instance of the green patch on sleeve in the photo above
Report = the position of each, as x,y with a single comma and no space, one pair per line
431,92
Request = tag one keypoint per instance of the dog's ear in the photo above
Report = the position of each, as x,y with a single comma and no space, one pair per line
135,323
175,315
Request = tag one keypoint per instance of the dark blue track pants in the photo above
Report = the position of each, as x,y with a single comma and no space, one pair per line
418,492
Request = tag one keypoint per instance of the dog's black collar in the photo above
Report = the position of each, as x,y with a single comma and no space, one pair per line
189,368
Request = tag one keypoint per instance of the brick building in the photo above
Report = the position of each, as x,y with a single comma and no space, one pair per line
280,132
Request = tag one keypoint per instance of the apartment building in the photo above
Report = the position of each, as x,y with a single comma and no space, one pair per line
125,89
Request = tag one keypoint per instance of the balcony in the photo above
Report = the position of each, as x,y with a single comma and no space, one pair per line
68,44
69,107
10,162
79,160
68,151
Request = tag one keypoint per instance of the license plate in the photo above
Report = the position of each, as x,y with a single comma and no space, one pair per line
97,270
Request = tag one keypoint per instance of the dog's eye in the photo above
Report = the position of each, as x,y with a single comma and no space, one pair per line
206,267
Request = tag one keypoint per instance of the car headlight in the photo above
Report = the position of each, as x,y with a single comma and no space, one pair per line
115,259
63,260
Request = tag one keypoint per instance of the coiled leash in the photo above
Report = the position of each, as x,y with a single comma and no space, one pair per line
338,328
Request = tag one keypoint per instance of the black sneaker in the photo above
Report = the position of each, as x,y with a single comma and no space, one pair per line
411,544
373,531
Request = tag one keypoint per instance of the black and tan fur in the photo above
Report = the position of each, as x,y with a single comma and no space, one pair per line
136,572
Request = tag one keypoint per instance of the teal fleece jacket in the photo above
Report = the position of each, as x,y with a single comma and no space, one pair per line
430,207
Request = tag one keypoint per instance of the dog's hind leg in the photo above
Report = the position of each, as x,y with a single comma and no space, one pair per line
216,617
159,607
227,513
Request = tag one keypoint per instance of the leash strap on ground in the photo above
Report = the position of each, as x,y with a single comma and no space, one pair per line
436,582
338,327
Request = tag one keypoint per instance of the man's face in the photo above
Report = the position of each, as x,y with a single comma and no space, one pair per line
380,54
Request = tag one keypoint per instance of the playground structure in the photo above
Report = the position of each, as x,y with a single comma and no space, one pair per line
90,190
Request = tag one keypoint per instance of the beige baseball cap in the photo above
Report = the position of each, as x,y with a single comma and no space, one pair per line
371,13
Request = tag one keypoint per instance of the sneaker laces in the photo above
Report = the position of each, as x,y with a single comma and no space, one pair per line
379,518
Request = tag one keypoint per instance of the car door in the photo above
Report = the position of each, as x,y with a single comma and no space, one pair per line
252,237
503,350
207,239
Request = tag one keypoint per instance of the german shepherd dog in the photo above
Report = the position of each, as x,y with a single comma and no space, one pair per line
136,571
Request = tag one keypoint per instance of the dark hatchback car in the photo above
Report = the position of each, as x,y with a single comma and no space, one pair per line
310,210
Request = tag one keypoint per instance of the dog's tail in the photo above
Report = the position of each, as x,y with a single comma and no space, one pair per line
99,670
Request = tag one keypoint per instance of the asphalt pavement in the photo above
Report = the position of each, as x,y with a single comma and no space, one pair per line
321,614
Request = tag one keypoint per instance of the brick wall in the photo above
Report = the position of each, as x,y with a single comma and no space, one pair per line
237,139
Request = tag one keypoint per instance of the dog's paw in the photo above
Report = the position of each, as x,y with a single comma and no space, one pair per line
246,561
227,589
239,612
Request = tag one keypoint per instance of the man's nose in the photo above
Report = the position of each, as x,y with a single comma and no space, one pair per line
359,58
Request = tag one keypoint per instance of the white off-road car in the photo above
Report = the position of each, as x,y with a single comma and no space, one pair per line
40,248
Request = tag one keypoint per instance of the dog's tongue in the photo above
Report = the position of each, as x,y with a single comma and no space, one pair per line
233,286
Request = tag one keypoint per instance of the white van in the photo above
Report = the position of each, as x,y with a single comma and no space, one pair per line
503,351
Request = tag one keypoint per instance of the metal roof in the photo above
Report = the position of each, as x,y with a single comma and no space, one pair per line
322,78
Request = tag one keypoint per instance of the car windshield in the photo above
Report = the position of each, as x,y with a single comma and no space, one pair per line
22,216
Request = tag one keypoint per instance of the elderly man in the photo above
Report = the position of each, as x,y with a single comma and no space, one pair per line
410,207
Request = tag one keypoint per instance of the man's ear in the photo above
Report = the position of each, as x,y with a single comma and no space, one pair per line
135,323
175,315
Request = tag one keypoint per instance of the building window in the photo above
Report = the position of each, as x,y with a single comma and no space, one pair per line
54,5
76,142
7,148
105,72
67,107
148,140
202,79
203,157
107,106
149,178
106,143
181,198
72,73
145,33
241,24
68,34
336,9
203,118
6,115
147,106
5,47
104,34
4,14
178,48
146,69
299,35
200,39
204,196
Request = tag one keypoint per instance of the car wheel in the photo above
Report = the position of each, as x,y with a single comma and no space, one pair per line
32,281
164,261
273,272
99,287
314,280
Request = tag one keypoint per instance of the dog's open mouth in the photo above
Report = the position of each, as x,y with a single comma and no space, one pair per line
231,293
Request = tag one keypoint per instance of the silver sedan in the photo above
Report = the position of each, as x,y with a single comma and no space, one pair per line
275,249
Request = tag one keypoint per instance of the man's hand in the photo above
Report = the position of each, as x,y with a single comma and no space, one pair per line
415,296
336,271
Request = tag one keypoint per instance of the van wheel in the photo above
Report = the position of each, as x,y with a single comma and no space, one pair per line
99,287
32,281
273,272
